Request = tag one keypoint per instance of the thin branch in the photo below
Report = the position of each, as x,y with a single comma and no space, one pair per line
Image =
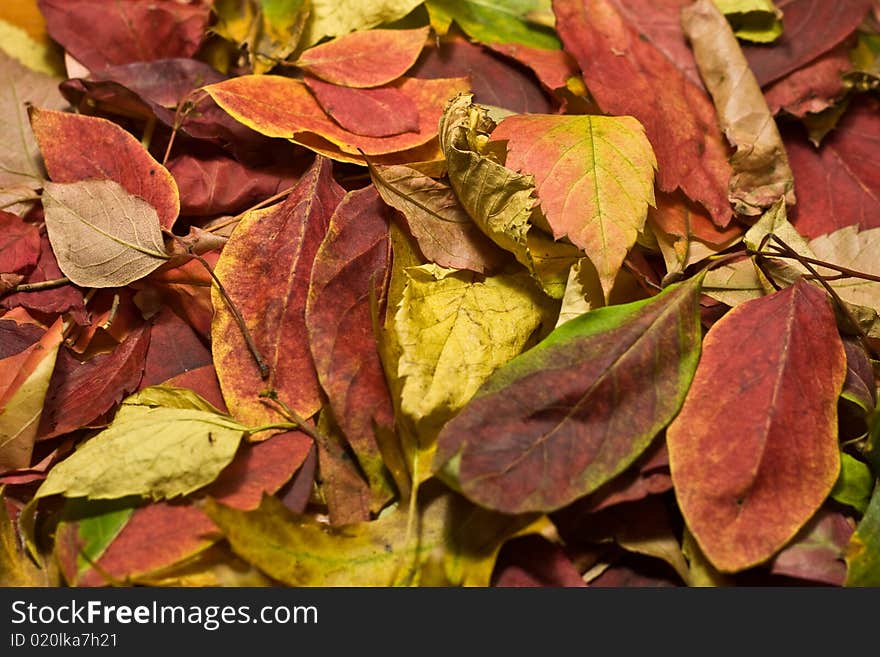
41,285
262,365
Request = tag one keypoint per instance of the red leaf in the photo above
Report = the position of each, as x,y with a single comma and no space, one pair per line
813,88
20,248
174,349
265,267
754,452
552,67
348,277
100,33
675,215
811,27
380,112
187,290
369,58
838,184
817,552
534,561
493,80
65,298
80,392
217,184
202,381
15,337
628,74
77,147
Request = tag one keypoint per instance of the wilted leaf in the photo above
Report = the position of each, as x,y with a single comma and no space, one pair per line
348,277
552,67
25,380
76,147
265,267
168,452
811,28
857,250
493,21
594,176
752,20
92,30
269,29
283,107
455,328
629,75
863,553
812,88
859,386
381,112
744,499
21,169
572,413
102,235
16,568
79,392
500,201
20,248
174,348
761,173
855,483
365,59
535,561
446,235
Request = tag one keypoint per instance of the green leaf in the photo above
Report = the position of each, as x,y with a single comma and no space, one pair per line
455,328
573,412
752,20
854,484
98,524
102,235
863,553
158,452
497,21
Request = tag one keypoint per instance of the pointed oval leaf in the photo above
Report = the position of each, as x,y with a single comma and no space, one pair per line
863,552
572,413
365,59
77,147
754,452
490,21
629,71
102,235
265,267
594,176
283,107
334,17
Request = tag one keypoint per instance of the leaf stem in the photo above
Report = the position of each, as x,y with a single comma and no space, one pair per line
41,285
262,365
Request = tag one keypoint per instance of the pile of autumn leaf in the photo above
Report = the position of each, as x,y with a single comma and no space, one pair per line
385,292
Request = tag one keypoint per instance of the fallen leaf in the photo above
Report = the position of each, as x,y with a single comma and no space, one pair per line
446,235
16,567
455,328
174,349
492,21
575,411
859,386
25,379
21,169
744,500
335,17
284,107
170,451
761,173
20,248
811,88
629,75
594,177
265,268
854,485
369,58
552,67
863,552
535,561
268,30
79,392
817,552
347,280
855,249
493,81
836,184
102,235
379,112
752,20
76,147
100,35
812,27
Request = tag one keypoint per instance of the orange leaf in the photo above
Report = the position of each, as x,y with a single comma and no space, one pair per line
77,147
754,451
282,107
369,58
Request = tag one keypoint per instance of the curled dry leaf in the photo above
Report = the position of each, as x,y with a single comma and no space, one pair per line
102,235
380,112
761,173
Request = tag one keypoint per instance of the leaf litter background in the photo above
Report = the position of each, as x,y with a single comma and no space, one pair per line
389,292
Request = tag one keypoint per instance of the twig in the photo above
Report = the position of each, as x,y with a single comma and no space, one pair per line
41,285
262,365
